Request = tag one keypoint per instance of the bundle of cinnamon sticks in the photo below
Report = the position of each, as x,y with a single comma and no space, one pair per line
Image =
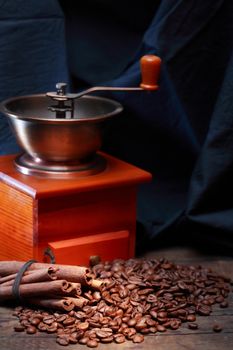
52,286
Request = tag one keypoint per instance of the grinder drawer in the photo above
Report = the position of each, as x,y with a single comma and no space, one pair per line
78,251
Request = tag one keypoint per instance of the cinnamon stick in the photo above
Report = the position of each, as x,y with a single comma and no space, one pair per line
8,278
65,304
52,288
78,302
41,275
96,284
75,289
67,272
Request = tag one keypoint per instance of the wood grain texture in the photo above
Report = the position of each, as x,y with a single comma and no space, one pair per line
17,234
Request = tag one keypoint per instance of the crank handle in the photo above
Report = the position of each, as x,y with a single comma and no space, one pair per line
150,71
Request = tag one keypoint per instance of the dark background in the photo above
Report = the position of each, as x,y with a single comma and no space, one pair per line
182,134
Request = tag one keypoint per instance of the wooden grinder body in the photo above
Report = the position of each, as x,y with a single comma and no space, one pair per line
75,218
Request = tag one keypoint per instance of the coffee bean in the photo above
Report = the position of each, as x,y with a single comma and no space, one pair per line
105,321
145,331
138,338
162,314
69,321
118,319
145,291
107,340
23,317
103,333
204,310
48,319
174,324
61,318
131,332
152,330
191,318
73,340
183,286
151,298
83,326
125,319
15,313
135,280
193,325
166,266
52,328
154,314
219,299
141,324
182,312
119,339
42,327
91,343
79,334
25,323
217,328
62,341
60,331
35,321
19,328
167,324
83,340
96,295
207,302
150,322
131,286
123,292
161,328
224,304
91,334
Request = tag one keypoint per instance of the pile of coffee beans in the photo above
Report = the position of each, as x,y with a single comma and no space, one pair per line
140,297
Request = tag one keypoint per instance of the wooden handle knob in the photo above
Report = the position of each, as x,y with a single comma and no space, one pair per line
150,70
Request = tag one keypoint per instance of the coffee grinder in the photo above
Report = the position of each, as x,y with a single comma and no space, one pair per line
63,200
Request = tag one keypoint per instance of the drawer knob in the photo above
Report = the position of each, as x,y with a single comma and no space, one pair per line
94,260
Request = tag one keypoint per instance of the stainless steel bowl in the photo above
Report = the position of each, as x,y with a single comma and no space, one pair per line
46,138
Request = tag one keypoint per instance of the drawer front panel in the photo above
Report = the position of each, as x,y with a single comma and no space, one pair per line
78,251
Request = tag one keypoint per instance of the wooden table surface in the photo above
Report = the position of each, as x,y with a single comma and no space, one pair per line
202,339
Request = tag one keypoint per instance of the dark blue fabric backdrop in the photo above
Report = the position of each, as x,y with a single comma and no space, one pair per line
182,134
32,53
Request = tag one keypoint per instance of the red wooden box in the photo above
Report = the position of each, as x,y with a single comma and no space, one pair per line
75,218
